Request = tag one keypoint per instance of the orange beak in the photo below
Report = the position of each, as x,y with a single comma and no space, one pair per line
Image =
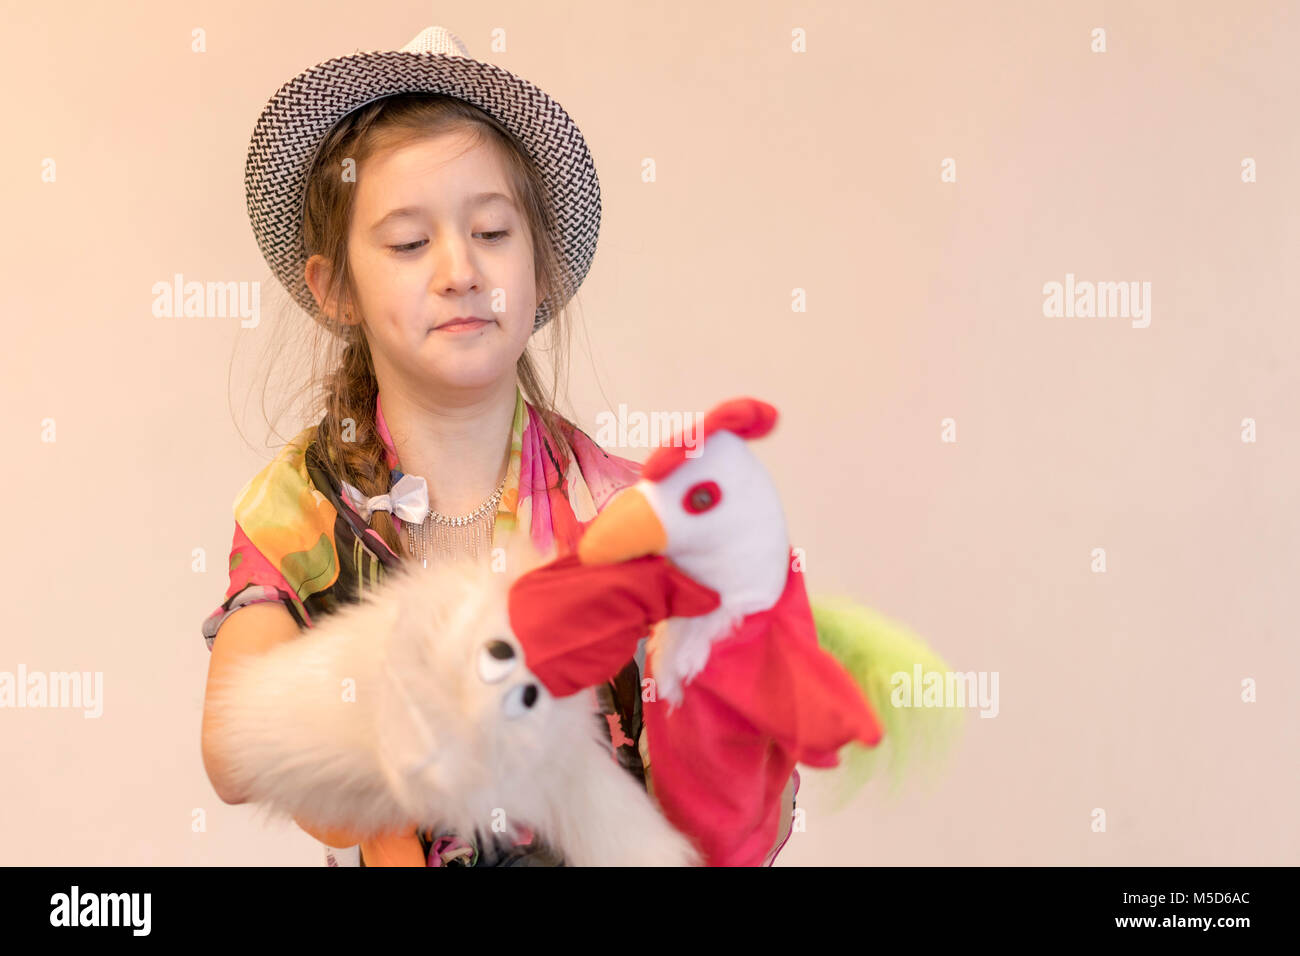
626,528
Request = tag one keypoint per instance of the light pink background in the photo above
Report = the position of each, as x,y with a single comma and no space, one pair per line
776,171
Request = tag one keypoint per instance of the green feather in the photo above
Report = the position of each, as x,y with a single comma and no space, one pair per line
873,649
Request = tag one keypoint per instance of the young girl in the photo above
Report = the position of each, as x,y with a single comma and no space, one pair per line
430,212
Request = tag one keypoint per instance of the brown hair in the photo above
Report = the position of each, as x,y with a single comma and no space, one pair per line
341,366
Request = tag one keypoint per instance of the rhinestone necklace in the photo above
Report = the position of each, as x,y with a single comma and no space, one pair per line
443,536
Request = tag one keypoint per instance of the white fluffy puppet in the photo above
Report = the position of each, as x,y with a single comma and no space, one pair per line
415,706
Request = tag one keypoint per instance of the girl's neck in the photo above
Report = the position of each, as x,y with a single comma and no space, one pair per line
459,444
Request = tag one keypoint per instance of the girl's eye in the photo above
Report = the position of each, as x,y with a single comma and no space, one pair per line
494,237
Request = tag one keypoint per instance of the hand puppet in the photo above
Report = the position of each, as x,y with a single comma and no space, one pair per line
416,707
743,687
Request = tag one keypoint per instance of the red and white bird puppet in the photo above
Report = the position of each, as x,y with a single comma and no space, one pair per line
743,691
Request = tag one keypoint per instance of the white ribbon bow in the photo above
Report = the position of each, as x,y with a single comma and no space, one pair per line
408,499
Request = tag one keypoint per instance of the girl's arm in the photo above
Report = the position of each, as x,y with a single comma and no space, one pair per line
399,848
256,629
253,629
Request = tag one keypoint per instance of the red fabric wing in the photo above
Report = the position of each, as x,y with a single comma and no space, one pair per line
768,698
772,672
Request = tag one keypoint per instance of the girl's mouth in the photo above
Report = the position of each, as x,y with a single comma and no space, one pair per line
462,325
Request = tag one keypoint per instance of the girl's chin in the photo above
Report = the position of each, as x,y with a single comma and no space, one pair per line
462,372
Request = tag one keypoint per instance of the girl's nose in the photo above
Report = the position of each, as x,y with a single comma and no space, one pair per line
456,269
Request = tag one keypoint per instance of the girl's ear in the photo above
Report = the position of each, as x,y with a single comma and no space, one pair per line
317,274
330,314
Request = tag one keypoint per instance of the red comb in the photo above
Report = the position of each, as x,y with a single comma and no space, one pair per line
745,417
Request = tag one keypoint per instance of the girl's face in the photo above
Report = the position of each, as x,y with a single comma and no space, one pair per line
436,236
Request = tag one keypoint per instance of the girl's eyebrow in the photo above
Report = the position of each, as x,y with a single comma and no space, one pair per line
406,212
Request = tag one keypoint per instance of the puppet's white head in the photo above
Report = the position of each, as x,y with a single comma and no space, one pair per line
716,514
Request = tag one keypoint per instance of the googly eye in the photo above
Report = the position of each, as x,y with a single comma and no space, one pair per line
496,659
701,496
519,700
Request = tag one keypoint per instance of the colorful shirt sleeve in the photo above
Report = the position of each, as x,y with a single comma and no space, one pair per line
253,580
283,548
